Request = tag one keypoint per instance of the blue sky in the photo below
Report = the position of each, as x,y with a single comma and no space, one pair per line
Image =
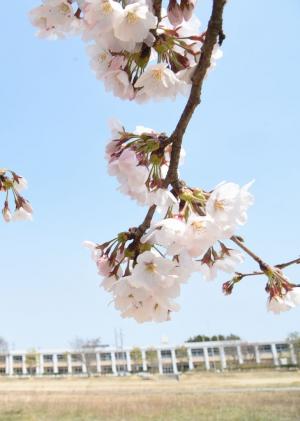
53,131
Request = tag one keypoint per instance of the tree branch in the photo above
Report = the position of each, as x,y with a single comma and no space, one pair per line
139,232
157,8
279,266
213,34
263,265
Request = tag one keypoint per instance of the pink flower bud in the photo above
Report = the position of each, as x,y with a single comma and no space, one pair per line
103,265
6,213
175,14
187,7
27,206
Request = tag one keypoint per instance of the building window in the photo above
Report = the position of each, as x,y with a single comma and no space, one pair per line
77,370
121,368
76,357
167,369
166,353
18,371
62,370
120,355
2,359
105,356
48,370
213,351
265,348
17,358
61,357
2,371
197,352
282,347
106,369
48,358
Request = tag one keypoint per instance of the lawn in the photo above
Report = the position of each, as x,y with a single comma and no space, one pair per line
252,396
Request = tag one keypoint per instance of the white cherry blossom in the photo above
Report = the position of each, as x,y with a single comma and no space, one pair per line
54,18
158,82
132,25
20,184
153,272
21,214
169,233
288,301
118,82
201,234
227,205
229,261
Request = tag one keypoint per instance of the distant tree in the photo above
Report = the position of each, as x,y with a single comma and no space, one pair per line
86,349
152,361
198,338
204,338
31,361
181,353
294,338
3,345
136,359
232,337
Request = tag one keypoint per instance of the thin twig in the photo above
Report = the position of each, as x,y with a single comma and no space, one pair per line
291,262
263,265
279,266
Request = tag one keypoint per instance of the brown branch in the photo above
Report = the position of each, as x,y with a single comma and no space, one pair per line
213,34
139,232
263,265
291,262
279,266
157,8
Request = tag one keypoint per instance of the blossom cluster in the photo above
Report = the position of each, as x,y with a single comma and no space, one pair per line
144,274
11,182
283,295
137,54
140,161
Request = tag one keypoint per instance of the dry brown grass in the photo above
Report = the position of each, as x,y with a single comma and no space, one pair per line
264,396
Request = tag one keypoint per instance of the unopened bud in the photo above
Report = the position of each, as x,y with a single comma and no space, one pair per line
6,213
175,14
187,7
27,206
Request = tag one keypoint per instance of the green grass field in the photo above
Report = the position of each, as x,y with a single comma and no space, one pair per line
252,396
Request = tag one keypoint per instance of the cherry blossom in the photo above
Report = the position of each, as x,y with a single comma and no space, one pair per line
13,184
159,82
138,56
134,23
54,18
288,301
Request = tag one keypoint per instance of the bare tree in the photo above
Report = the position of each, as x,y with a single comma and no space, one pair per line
86,349
3,345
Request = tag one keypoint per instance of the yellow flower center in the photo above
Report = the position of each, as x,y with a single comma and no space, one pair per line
157,74
106,8
132,18
151,267
64,8
198,225
102,56
219,205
